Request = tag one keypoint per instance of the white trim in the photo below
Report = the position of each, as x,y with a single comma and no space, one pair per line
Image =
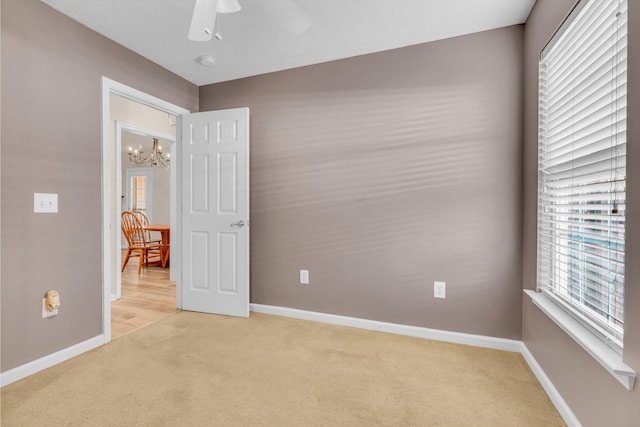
393,328
49,360
142,98
556,398
173,205
594,346
110,86
437,335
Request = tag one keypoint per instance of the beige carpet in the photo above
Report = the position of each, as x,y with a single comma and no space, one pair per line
194,369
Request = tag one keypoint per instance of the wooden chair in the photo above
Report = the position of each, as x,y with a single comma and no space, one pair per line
135,235
144,220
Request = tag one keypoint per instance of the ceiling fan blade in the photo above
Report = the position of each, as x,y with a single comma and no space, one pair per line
203,20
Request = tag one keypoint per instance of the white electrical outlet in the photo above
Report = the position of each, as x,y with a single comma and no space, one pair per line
304,277
45,312
439,289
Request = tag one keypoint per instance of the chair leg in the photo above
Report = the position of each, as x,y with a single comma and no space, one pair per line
126,258
141,259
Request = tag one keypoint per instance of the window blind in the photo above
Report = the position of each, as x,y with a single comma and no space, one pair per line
582,167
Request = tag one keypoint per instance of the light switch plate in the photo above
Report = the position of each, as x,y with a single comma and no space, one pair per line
45,203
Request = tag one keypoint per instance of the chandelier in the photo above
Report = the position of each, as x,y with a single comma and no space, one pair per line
155,158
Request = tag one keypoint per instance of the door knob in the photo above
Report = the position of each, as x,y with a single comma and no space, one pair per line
238,224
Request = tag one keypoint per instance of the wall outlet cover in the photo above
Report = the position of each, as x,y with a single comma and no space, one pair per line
304,277
45,312
439,289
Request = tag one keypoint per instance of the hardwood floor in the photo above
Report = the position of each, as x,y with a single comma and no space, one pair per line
146,298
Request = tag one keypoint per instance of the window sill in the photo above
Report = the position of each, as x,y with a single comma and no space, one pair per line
600,351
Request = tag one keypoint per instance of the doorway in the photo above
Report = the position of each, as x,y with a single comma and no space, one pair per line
158,192
112,136
145,295
210,233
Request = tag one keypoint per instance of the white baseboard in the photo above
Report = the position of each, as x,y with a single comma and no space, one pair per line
437,335
393,328
553,393
50,360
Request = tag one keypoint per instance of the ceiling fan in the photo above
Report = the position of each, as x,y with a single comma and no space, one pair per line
205,12
204,17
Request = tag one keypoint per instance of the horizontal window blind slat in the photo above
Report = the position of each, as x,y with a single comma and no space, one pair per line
584,157
605,255
616,131
557,223
553,181
615,231
616,141
591,188
613,212
584,172
612,253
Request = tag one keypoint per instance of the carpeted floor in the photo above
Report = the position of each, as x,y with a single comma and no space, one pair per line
194,369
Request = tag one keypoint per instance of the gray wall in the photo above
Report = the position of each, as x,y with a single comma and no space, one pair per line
51,139
385,172
590,391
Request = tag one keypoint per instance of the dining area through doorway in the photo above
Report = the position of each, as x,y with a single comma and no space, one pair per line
143,138
147,293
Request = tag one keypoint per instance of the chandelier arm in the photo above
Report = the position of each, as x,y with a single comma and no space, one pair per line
155,158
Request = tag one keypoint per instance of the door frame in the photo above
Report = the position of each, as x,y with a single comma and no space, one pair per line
108,222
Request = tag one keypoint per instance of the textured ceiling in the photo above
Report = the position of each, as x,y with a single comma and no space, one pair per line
273,35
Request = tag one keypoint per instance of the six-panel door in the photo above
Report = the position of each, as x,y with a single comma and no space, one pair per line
215,212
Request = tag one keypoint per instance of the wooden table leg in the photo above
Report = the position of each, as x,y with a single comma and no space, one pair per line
165,248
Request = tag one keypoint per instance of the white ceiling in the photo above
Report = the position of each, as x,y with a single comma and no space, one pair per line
273,35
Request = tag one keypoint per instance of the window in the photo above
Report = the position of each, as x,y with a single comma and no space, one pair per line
139,190
582,167
139,193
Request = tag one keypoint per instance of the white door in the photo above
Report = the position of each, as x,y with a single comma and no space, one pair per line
215,212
